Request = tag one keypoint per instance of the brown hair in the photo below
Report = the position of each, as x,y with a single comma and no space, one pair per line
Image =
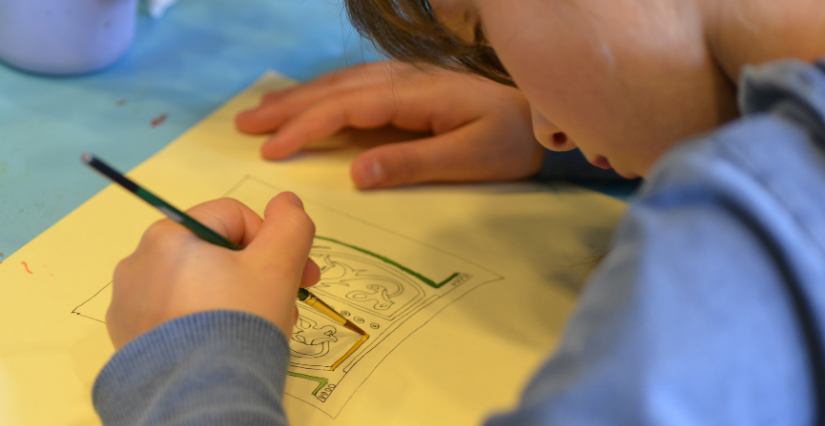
408,30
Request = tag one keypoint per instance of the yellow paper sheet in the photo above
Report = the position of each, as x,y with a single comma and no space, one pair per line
464,289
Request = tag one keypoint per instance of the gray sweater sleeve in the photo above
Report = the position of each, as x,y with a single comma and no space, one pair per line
210,368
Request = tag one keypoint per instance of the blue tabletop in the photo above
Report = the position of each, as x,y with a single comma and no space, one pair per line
181,67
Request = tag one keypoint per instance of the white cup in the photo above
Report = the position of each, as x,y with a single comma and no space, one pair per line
65,36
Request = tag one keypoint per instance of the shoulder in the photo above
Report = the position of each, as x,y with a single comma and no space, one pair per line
689,315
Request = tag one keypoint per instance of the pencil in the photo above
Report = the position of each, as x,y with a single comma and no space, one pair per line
205,232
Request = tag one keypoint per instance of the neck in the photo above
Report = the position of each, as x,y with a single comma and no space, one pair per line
743,32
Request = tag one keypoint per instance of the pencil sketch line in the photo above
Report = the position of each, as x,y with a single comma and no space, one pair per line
395,325
86,316
238,185
371,290
299,335
74,311
352,278
422,278
373,225
351,394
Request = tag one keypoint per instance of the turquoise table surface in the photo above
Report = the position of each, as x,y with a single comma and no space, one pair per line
183,66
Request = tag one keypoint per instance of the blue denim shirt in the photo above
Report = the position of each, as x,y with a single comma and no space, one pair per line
695,317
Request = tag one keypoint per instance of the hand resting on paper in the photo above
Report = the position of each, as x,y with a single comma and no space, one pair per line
481,131
175,273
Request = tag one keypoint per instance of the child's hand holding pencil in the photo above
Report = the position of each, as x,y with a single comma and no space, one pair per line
175,273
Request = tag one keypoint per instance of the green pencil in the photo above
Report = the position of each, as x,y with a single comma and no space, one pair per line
204,232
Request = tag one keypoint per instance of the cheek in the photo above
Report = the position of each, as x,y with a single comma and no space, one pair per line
562,74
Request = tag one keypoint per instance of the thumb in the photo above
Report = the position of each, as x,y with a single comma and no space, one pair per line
285,237
405,163
472,153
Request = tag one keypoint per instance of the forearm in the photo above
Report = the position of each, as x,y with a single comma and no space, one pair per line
218,367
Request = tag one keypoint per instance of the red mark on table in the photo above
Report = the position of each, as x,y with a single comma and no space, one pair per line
121,102
26,265
158,121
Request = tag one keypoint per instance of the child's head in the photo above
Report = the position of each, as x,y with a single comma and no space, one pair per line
622,79
408,30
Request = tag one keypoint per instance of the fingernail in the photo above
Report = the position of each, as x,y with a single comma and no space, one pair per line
370,174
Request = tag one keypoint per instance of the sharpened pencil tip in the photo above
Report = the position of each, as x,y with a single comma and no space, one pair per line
86,157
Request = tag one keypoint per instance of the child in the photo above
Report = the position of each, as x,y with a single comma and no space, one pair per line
709,309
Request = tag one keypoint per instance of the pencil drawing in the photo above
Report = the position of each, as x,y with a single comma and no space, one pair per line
384,295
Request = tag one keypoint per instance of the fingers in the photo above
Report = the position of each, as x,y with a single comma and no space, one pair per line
369,96
468,154
269,115
174,273
278,107
350,109
285,238
241,225
311,275
483,130
407,163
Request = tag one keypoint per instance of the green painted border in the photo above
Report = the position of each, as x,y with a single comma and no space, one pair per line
321,381
423,279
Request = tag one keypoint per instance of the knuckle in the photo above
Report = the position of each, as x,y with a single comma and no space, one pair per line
110,316
163,235
303,224
119,278
158,230
212,212
310,225
121,269
292,216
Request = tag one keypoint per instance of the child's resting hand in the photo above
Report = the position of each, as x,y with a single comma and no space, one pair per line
482,129
174,273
